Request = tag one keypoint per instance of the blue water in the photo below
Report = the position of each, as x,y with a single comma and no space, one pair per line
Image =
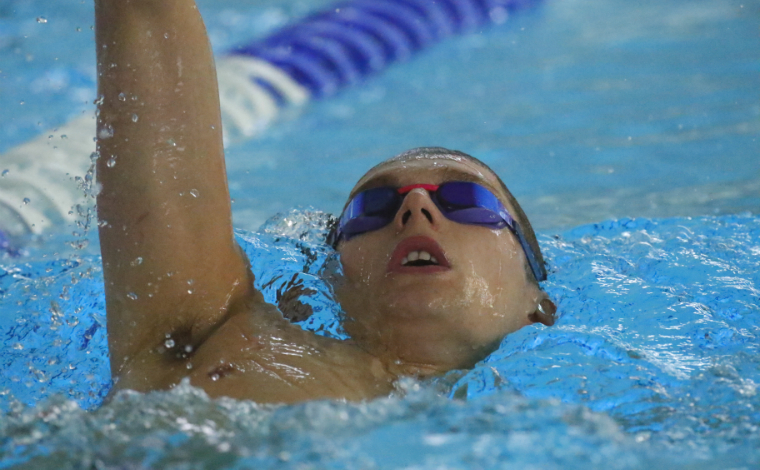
628,130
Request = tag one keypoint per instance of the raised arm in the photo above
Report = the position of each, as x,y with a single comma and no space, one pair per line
170,263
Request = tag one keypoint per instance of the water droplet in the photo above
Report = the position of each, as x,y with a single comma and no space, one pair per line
169,343
27,201
41,19
137,261
189,365
166,35
194,192
5,172
18,346
132,296
188,349
189,291
79,30
122,97
135,117
106,132
190,282
214,377
111,161
21,102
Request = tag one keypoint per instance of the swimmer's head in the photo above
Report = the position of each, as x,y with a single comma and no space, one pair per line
432,293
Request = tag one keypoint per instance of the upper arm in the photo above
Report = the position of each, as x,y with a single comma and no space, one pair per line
169,258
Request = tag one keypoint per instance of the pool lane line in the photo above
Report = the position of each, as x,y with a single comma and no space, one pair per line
315,57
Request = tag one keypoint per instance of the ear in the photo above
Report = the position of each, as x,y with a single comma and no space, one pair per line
545,312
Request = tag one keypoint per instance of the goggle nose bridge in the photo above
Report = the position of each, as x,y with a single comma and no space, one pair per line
427,187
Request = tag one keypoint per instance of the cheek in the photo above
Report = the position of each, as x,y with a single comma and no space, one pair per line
498,275
361,260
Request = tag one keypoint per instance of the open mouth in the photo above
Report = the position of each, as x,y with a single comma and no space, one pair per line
418,254
419,258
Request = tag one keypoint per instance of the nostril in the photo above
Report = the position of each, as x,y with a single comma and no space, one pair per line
428,215
405,217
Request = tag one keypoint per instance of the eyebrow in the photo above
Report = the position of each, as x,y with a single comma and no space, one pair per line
446,174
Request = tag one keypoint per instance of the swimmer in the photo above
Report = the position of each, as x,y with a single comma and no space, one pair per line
440,262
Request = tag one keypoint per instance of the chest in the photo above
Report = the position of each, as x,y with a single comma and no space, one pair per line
279,363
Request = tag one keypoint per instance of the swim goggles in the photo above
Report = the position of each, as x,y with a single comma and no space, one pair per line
459,201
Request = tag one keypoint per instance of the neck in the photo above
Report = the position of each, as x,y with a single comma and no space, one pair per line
418,350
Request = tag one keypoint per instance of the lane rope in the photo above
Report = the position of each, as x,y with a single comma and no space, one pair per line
315,57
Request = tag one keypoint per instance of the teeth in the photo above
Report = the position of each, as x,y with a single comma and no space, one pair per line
418,255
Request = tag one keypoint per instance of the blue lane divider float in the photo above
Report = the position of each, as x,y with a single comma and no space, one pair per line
313,58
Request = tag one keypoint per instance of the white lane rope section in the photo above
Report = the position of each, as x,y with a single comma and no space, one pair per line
248,107
38,190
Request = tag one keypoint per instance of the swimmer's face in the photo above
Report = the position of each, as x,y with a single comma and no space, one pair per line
437,317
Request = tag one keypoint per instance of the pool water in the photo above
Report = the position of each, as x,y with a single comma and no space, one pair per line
628,130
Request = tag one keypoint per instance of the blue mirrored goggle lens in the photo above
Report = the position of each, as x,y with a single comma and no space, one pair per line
458,195
369,210
470,203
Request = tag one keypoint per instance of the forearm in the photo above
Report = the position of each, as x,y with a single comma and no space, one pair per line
166,237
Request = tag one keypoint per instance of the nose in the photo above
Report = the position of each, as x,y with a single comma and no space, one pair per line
417,208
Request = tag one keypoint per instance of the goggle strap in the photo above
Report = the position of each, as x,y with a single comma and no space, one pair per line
538,273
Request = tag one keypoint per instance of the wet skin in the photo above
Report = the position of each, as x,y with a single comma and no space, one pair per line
431,319
188,309
404,320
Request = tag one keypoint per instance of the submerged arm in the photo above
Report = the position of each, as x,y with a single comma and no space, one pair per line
171,265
